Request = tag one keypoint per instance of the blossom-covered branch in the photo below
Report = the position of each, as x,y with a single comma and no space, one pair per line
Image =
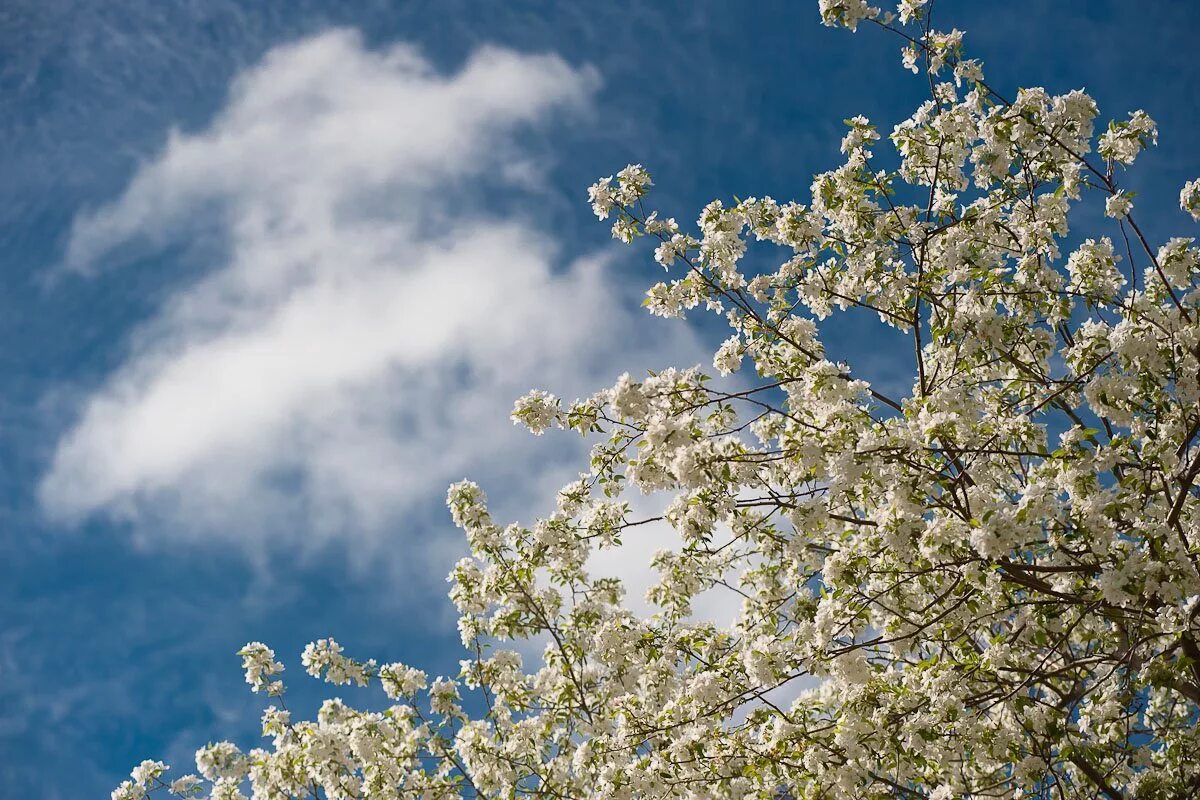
986,587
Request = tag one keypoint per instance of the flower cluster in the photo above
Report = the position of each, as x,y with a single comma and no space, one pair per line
1189,198
632,184
323,658
259,662
986,584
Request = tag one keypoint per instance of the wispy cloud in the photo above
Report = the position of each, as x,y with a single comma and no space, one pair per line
372,311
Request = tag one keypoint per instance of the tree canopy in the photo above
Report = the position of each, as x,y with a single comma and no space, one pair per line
985,586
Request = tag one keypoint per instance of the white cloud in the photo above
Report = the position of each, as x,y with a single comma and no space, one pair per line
368,320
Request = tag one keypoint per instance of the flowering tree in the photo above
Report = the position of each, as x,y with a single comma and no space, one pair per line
986,588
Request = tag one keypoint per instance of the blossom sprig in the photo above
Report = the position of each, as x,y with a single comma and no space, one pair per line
1124,140
323,659
537,411
1189,198
632,183
1118,205
260,665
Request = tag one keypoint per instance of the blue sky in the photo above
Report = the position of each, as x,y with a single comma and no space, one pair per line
274,272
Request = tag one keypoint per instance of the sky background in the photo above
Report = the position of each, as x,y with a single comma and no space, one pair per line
274,272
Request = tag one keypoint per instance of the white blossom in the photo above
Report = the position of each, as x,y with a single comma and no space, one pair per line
259,662
1118,205
1189,198
537,411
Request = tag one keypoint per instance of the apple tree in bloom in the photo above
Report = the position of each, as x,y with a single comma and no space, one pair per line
984,586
